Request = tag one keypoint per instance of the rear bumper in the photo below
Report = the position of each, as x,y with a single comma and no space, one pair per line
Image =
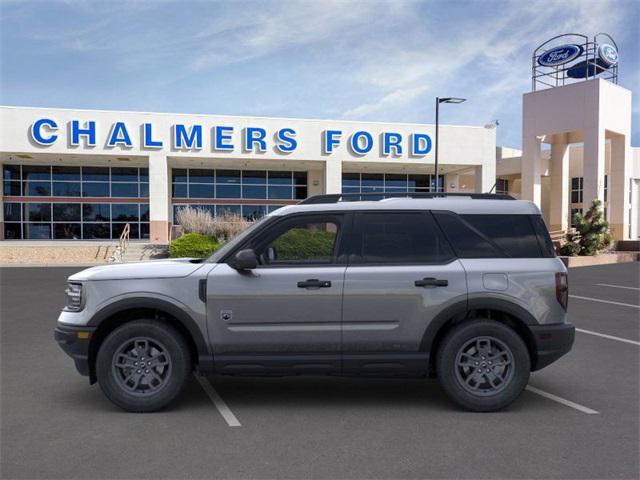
75,343
552,342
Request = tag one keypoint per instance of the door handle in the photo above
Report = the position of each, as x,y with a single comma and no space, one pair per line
431,282
314,283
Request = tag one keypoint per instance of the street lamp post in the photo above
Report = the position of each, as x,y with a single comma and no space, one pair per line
438,102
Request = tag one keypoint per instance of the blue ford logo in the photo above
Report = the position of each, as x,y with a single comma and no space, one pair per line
608,54
560,55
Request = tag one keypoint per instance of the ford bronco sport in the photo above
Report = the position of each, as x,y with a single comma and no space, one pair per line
466,288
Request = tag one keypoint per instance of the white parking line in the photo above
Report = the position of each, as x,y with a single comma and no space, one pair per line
616,286
217,400
604,301
610,337
563,401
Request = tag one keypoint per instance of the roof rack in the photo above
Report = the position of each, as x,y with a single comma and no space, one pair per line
373,196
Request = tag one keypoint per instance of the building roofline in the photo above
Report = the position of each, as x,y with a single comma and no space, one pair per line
18,107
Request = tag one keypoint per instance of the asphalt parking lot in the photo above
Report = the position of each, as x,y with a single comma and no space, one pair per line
579,420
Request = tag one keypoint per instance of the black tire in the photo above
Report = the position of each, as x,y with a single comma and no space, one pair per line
121,356
463,369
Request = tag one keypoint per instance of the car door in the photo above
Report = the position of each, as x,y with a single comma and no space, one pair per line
402,273
285,315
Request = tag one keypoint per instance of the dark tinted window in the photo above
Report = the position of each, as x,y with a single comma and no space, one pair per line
546,245
466,242
401,238
514,234
486,236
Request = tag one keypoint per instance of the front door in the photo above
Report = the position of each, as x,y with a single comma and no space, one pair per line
285,315
401,274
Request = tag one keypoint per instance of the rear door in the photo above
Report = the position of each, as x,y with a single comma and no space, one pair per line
402,273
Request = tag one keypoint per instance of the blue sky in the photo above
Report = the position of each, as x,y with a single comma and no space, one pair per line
368,60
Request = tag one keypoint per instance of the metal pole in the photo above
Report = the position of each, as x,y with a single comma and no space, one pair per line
437,127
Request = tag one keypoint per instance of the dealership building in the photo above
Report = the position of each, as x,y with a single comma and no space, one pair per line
86,174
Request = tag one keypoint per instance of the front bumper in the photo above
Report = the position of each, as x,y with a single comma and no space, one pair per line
75,343
551,342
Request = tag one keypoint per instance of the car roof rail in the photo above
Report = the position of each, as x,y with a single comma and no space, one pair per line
375,196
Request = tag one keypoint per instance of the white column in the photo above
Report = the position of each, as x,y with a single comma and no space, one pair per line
315,182
559,204
452,182
332,176
618,187
531,169
159,198
485,177
593,166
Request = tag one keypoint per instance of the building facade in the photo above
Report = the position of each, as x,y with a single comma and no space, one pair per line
85,174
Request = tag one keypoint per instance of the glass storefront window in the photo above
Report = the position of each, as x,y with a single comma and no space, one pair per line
389,183
66,173
66,189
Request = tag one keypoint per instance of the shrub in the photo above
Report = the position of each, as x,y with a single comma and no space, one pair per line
222,227
302,243
193,245
591,233
228,225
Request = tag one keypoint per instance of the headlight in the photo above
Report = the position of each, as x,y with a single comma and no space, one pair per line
74,297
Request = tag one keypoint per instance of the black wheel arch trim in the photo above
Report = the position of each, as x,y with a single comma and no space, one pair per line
205,359
463,307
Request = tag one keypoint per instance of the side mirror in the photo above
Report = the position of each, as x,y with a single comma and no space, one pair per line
245,260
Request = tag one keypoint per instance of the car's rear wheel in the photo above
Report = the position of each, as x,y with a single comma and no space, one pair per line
483,365
143,365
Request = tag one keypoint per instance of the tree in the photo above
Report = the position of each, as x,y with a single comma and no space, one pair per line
591,233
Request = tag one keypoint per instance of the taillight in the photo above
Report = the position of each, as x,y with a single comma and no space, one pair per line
562,289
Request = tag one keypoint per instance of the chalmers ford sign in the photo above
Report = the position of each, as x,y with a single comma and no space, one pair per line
221,138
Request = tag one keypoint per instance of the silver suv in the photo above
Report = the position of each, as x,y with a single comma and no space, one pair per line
463,287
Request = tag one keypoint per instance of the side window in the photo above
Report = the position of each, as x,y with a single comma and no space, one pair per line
401,237
306,240
514,234
467,242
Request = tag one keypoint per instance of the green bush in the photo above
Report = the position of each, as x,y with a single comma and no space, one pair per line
591,233
303,243
193,245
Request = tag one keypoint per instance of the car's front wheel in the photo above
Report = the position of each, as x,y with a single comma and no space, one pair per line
143,365
483,365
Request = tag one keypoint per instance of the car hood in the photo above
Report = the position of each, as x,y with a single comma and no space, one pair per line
175,268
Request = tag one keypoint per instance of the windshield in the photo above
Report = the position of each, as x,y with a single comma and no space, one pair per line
231,244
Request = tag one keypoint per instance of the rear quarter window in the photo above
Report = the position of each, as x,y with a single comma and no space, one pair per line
487,236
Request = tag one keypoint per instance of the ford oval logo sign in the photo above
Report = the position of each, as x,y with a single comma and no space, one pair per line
560,55
608,54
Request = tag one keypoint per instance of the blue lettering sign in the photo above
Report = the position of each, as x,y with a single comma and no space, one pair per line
119,136
359,147
147,138
222,137
420,144
89,131
286,140
186,139
255,136
37,134
391,140
331,140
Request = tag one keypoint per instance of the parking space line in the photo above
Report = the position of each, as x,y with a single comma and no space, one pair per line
217,400
616,286
563,401
605,301
610,337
